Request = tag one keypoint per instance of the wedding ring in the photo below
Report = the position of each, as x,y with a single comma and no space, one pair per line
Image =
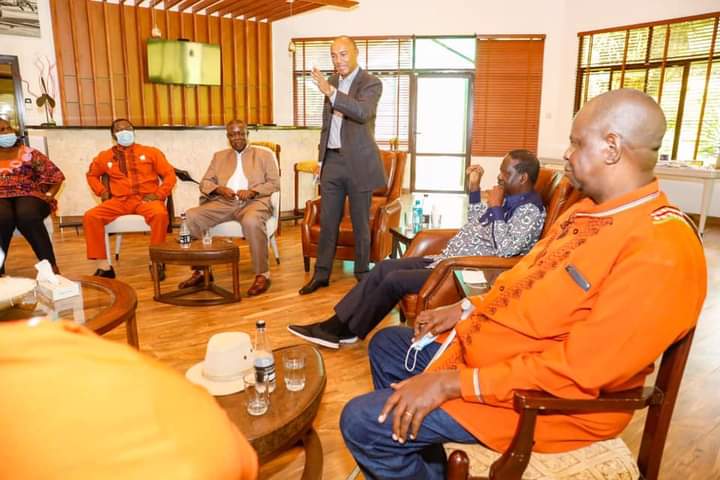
408,412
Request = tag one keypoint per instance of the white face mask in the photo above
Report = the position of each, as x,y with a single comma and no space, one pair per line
7,140
125,137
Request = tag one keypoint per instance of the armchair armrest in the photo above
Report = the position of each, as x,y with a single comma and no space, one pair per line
387,216
312,212
430,242
440,288
634,399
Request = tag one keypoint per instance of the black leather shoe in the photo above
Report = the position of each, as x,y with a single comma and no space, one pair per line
110,273
313,285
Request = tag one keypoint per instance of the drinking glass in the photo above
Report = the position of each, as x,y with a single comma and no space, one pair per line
258,400
207,238
294,369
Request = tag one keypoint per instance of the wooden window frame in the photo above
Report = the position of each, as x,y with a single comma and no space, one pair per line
713,56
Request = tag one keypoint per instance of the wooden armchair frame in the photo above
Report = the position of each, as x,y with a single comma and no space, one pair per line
659,399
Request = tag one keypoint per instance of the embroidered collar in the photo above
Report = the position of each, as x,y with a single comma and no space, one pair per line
642,195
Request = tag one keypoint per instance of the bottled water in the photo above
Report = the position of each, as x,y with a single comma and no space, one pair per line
417,214
264,360
184,233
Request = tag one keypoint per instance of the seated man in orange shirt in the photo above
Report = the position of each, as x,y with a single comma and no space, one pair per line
619,277
76,406
134,172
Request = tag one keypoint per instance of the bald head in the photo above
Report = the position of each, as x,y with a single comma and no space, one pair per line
344,55
614,144
632,115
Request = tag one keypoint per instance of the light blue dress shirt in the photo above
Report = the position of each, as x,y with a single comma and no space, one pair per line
334,140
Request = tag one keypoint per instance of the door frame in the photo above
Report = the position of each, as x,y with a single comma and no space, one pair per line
470,76
12,60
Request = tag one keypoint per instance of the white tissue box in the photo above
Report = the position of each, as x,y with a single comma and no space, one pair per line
63,289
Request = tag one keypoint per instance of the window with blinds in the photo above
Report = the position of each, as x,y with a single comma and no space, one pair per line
506,97
677,62
389,59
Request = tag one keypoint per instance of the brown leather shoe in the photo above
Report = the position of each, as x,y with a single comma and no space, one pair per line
260,285
197,278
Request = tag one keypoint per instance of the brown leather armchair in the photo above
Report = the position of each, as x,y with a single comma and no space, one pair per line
440,288
384,213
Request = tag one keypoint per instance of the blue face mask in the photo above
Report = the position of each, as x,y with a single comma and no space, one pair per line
125,137
7,140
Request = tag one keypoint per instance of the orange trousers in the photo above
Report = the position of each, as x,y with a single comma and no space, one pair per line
96,218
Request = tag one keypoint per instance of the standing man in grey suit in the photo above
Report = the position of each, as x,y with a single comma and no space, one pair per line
349,158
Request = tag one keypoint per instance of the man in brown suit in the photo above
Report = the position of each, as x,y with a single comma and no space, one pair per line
237,186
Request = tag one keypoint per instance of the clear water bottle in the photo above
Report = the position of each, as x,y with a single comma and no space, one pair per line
417,213
184,233
426,209
264,360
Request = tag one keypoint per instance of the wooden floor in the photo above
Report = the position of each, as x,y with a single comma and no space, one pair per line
177,336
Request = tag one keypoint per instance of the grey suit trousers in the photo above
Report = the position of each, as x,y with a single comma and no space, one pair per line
336,183
252,215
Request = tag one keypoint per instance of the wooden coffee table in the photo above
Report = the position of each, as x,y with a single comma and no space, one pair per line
103,305
289,419
221,251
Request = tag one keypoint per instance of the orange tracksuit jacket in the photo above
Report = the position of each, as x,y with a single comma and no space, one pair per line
76,406
641,285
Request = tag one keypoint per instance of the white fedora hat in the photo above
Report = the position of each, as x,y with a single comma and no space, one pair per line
228,357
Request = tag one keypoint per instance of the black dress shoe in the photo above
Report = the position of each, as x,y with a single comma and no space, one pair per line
313,285
110,273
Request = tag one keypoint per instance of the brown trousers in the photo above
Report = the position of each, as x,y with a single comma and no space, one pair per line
252,215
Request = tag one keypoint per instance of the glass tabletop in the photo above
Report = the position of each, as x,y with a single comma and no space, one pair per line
82,308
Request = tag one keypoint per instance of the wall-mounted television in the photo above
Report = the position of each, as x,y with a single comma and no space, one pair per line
182,62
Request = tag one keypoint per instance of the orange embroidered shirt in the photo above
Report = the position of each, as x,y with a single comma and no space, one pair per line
589,309
76,406
143,166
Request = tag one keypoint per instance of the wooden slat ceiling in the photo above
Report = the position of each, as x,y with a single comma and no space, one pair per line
260,10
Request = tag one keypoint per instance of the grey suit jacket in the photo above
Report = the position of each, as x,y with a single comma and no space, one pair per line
358,130
259,165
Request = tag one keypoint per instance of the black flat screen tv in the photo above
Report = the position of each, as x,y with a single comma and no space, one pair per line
183,63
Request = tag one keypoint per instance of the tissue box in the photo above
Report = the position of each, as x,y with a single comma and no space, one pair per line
63,289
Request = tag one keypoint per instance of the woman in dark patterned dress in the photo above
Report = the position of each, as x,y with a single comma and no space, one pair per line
29,182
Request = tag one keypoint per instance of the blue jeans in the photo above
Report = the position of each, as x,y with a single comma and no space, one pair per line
371,443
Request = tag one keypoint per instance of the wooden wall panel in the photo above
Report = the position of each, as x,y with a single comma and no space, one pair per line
102,62
228,68
264,73
240,71
177,105
161,91
216,104
251,70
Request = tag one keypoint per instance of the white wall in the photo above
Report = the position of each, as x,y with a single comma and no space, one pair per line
28,50
73,149
559,20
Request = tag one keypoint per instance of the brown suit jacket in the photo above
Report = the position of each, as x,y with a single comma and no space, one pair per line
259,165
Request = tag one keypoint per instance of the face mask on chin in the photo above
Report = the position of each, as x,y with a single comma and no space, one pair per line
125,138
8,140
